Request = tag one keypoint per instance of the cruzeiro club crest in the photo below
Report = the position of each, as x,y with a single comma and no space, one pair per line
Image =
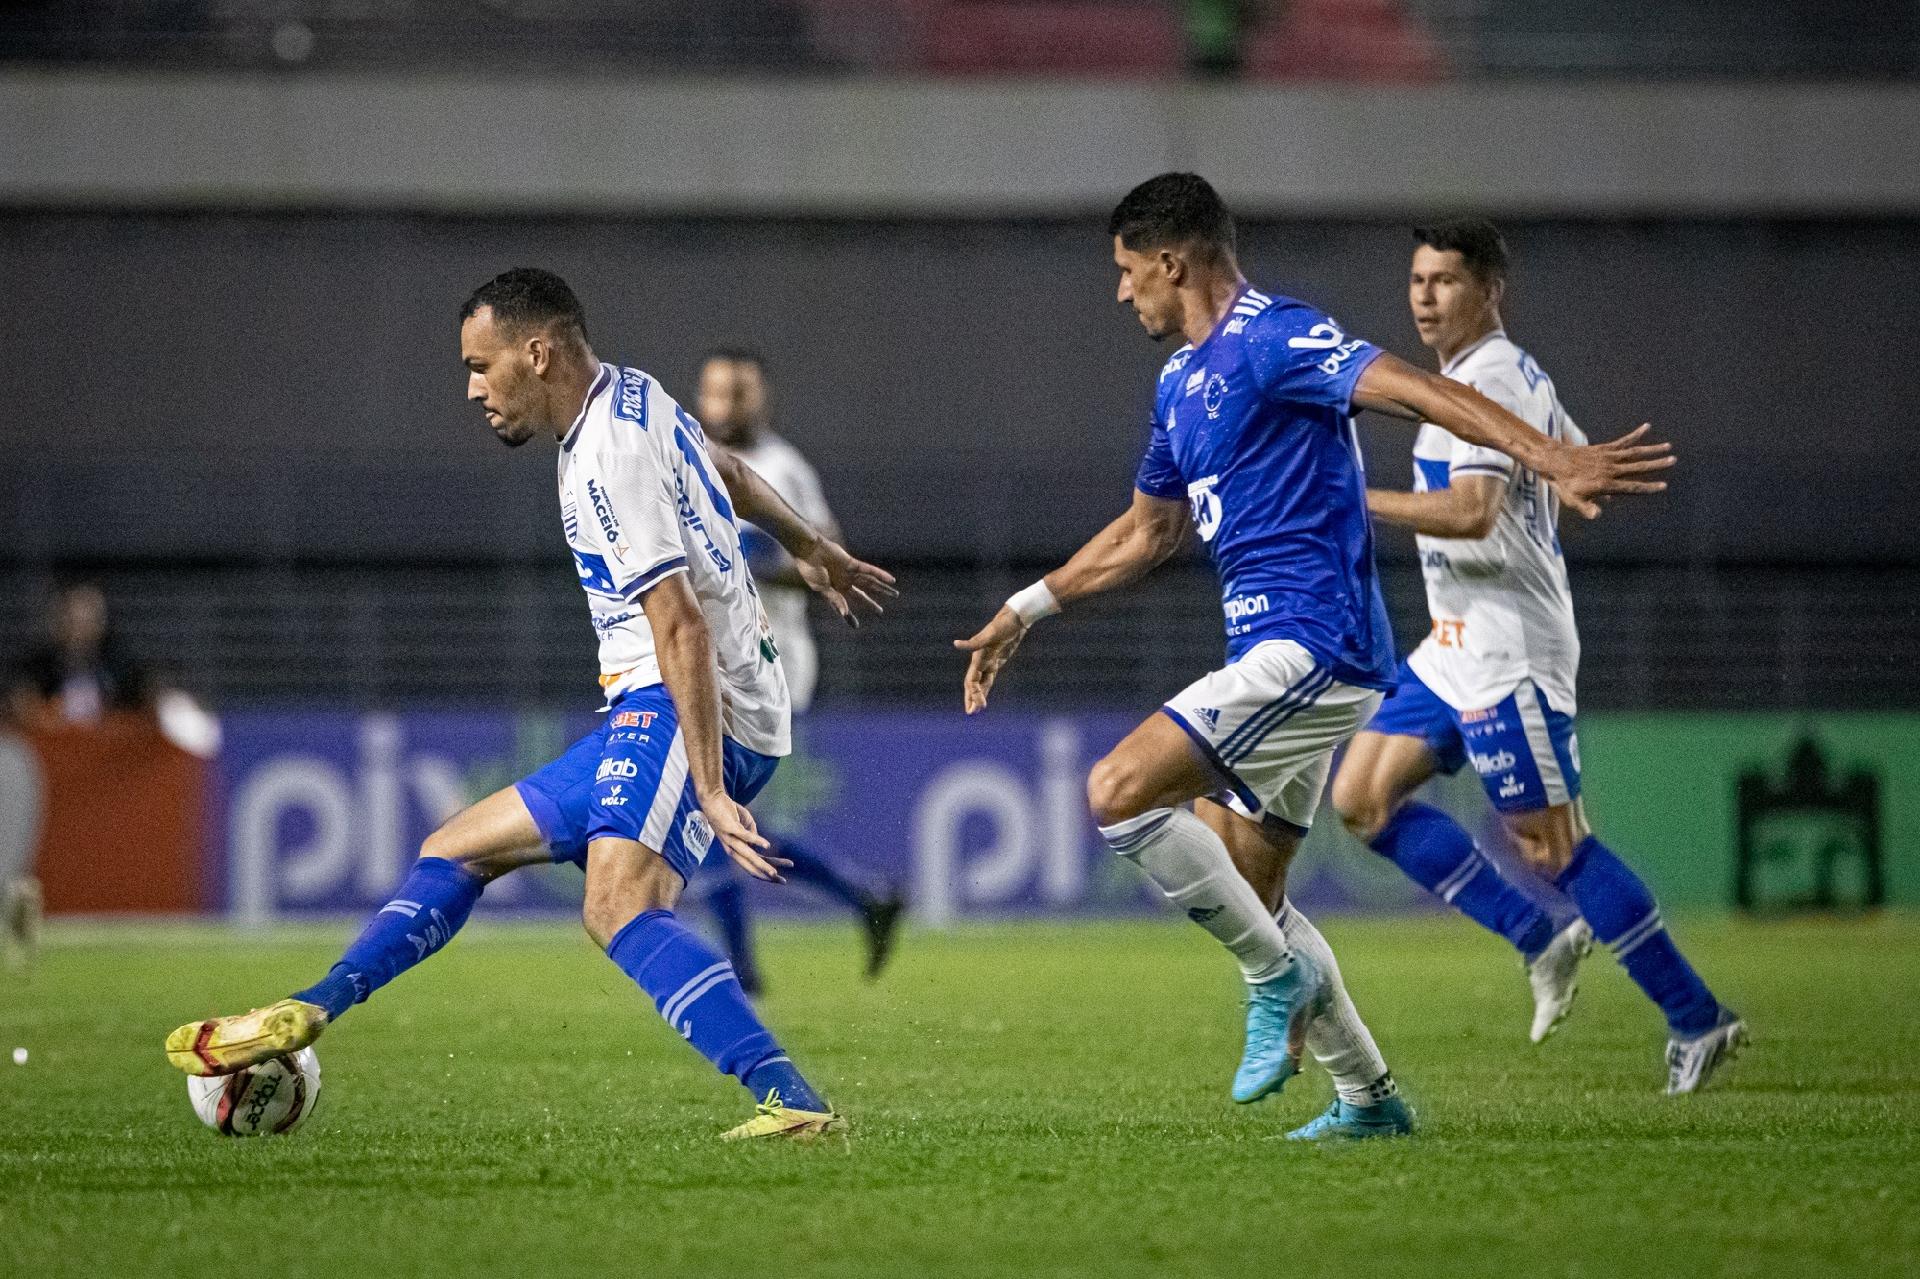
1214,395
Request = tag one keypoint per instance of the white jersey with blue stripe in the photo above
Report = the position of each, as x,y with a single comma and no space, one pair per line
641,501
1502,608
790,475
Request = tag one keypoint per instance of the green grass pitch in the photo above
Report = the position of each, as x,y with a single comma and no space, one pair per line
1034,1099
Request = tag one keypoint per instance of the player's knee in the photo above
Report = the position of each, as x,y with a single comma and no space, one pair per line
1114,792
616,892
1363,811
1546,851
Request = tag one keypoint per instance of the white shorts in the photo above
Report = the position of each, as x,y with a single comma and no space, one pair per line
1269,725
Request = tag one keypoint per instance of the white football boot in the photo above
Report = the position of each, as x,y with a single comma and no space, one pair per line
1555,977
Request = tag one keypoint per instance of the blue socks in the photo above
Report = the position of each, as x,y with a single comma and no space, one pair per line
727,899
1442,858
1625,917
696,991
816,872
423,916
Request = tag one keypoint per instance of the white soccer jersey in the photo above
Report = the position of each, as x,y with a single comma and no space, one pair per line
641,501
1502,609
792,477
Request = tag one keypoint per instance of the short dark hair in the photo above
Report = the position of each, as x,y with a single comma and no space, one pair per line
735,355
1173,209
527,295
1477,241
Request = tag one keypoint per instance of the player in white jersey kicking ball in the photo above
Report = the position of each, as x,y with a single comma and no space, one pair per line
696,715
1493,683
1252,445
734,410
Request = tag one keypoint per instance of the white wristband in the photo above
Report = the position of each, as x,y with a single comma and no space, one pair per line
1033,603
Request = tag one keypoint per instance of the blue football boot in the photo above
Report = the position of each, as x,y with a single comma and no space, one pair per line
1277,1015
1343,1121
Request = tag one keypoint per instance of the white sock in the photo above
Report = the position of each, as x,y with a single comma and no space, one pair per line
1337,1038
1192,867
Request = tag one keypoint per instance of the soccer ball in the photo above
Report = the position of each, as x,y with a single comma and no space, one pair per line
275,1096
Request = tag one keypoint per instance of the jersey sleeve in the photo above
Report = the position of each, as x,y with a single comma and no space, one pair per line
1158,475
1475,459
1301,355
640,521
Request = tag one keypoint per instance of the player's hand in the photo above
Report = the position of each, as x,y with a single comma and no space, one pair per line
1588,474
734,828
992,647
845,582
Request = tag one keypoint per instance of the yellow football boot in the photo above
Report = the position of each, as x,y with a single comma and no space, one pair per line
224,1045
774,1119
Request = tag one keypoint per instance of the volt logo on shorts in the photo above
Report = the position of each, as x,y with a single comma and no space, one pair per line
613,798
617,768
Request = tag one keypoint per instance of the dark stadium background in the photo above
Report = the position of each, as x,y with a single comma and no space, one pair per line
233,237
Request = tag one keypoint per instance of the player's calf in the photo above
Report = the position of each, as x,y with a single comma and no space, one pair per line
631,890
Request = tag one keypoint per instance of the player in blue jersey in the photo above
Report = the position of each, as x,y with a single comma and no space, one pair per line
696,718
1492,685
1252,446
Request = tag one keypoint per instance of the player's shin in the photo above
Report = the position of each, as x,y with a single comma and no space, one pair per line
422,917
1624,916
696,991
1440,856
1192,867
1337,1038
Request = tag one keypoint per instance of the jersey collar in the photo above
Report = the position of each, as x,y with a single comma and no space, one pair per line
601,382
1457,360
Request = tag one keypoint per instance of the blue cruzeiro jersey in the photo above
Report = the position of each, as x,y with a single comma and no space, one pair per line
1254,428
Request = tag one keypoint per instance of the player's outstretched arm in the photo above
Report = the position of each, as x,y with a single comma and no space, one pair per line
685,650
1467,509
1581,474
1123,552
822,563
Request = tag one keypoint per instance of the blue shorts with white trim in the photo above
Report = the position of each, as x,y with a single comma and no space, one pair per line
628,780
1526,752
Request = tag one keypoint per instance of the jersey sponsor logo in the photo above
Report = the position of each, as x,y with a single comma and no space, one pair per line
1236,326
630,401
1498,762
634,719
617,768
1206,506
1331,365
603,508
1215,395
1242,607
1449,632
1436,560
1174,365
605,626
1481,716
1195,380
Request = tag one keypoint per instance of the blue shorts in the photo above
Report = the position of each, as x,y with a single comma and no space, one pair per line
628,780
1525,751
